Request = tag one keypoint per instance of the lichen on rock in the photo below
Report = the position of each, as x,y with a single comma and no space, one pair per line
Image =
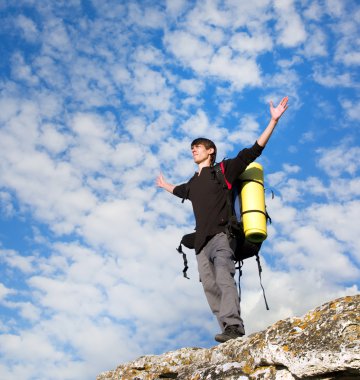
322,344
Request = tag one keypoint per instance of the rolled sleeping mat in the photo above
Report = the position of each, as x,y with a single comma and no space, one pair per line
252,200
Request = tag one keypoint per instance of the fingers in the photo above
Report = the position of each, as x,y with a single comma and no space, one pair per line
277,111
160,180
284,101
282,105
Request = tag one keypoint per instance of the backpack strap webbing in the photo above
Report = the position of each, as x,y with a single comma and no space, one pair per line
239,267
220,175
263,290
179,249
188,241
222,167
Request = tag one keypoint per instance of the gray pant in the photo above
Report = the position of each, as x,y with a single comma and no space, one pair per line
217,269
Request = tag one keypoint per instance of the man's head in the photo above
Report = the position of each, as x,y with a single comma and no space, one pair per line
210,149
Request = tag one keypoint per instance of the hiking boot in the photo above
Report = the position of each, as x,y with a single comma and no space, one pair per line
230,332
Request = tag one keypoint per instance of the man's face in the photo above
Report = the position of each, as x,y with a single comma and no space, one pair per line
201,154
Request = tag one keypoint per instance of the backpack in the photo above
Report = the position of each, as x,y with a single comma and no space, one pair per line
242,247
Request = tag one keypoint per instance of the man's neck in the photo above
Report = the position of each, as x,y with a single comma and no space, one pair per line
202,165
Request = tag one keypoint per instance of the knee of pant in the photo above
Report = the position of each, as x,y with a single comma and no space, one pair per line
211,288
224,266
225,280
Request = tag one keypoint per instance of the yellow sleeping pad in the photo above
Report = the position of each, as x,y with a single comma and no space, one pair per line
252,200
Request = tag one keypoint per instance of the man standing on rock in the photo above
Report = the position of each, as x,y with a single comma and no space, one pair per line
213,253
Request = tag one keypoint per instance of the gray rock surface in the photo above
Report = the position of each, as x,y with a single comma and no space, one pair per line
322,344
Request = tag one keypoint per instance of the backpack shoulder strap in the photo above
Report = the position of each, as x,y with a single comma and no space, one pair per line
219,170
220,175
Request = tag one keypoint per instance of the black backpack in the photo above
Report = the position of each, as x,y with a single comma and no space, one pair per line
242,248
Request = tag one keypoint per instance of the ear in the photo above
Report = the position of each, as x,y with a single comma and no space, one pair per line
211,150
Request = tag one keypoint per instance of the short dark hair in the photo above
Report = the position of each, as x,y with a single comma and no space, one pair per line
207,144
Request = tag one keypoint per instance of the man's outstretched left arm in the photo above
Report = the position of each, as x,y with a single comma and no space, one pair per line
160,181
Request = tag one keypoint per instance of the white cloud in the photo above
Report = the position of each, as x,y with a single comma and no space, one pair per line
91,147
223,63
52,139
46,69
97,108
307,136
316,44
255,44
149,89
291,168
233,14
175,7
13,260
334,8
189,49
290,27
10,107
145,16
28,27
340,160
206,18
6,204
149,133
63,196
4,291
345,188
284,81
346,48
237,70
331,78
109,10
246,132
148,55
339,222
191,86
26,310
352,108
287,63
56,39
314,11
23,71
197,125
121,75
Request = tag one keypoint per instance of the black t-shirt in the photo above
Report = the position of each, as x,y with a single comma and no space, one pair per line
208,197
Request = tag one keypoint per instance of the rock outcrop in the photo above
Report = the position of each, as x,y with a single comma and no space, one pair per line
323,344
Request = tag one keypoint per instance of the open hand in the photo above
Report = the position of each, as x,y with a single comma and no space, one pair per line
276,112
160,180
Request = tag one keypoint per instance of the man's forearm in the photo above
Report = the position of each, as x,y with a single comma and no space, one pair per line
168,187
265,136
160,181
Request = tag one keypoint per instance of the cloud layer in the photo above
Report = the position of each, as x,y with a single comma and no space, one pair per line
96,99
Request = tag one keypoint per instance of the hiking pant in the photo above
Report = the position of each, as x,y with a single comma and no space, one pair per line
217,269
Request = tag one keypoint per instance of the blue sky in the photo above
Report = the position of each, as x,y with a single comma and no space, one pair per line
98,97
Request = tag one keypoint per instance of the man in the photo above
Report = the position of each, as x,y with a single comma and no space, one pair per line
213,253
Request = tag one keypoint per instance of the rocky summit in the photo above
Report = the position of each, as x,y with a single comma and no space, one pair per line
322,344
